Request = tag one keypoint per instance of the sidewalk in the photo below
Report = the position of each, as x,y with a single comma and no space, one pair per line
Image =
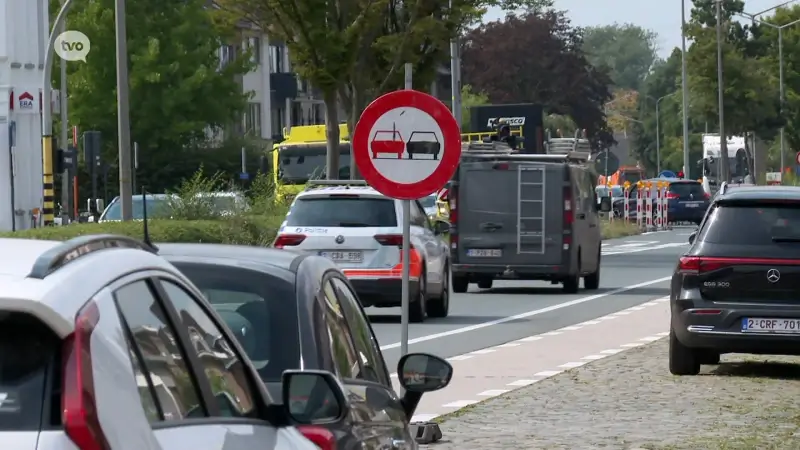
630,401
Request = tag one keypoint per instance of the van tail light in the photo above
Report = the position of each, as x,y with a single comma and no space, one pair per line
672,195
569,214
707,195
452,195
394,240
698,265
78,408
288,240
321,437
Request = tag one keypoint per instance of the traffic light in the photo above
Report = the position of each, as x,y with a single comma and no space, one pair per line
680,174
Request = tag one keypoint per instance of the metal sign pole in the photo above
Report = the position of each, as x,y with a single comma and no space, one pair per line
405,294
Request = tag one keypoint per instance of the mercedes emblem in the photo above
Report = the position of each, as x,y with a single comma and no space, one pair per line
773,275
340,239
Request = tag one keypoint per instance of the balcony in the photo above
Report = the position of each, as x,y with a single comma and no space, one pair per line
283,85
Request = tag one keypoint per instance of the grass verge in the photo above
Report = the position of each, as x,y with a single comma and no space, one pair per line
618,228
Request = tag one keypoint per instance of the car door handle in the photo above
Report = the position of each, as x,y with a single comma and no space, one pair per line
489,226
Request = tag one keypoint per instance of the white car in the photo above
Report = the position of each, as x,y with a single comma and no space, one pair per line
361,230
105,345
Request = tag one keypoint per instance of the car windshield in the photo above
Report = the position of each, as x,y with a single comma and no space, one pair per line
428,202
259,308
771,226
156,208
299,163
345,211
686,189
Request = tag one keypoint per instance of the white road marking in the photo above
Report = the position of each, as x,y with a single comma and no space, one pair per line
522,383
551,333
632,345
493,392
483,352
527,314
460,357
530,339
572,365
460,403
424,417
650,338
593,357
611,250
548,373
508,345
572,328
612,351
590,322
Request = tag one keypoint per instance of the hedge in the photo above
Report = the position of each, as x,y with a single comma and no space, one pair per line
243,230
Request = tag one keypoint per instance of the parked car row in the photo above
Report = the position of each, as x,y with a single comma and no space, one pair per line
112,343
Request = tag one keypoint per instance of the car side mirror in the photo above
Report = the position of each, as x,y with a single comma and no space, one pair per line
419,373
441,227
692,237
101,205
313,396
605,204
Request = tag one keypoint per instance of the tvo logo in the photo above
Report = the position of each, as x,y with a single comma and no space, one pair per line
72,46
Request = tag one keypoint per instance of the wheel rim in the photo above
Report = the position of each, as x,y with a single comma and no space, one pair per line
446,290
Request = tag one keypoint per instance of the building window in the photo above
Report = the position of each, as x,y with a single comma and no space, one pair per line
276,53
227,53
254,45
252,120
297,114
278,121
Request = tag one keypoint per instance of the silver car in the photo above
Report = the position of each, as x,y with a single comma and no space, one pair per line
106,345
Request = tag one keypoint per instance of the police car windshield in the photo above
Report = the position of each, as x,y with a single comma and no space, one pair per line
342,212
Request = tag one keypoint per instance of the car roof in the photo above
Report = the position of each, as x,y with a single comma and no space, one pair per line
282,259
673,180
763,193
322,191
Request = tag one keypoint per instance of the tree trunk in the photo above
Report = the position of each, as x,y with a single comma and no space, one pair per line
332,135
356,108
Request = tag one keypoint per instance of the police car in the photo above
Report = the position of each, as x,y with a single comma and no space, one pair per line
361,230
105,345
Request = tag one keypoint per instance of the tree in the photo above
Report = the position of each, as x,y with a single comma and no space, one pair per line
537,58
749,95
470,98
622,109
628,51
177,87
354,50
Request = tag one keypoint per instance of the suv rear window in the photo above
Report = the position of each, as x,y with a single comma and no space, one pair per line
259,308
27,349
686,189
764,225
342,212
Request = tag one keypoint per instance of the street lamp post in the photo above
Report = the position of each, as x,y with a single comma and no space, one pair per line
658,133
685,91
780,28
723,139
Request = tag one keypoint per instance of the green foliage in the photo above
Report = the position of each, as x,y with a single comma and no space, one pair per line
197,198
177,88
469,99
628,51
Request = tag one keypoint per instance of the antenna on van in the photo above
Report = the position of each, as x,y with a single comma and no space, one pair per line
146,230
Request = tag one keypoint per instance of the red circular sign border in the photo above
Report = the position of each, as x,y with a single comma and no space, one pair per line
451,153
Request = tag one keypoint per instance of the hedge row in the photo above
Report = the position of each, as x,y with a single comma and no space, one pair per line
242,230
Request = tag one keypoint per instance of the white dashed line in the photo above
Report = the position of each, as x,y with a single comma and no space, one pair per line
572,365
484,351
548,373
530,339
509,345
650,338
590,322
521,383
460,357
571,328
460,403
551,333
612,351
594,357
622,313
493,392
632,345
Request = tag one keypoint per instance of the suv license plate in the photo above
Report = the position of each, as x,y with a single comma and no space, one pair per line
763,325
343,256
484,253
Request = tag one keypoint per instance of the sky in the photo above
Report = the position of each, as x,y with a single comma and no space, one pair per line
660,16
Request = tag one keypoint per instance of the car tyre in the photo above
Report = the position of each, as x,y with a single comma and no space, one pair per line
572,284
592,281
416,312
440,307
709,357
682,359
485,284
460,283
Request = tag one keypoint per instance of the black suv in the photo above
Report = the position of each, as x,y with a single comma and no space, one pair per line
737,289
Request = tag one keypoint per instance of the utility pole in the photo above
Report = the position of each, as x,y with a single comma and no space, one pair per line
64,140
123,114
455,77
723,139
685,92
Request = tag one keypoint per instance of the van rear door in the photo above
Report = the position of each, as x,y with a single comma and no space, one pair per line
503,213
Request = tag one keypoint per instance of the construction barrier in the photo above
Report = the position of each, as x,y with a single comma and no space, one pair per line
651,205
626,197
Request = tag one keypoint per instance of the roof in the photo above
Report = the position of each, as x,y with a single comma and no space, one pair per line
337,189
764,193
282,259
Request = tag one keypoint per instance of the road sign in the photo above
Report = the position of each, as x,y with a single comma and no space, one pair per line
407,144
606,163
667,174
244,176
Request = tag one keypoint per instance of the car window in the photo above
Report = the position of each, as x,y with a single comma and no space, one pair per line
162,360
686,189
29,350
156,208
365,343
428,202
221,365
342,212
338,340
259,308
765,223
418,216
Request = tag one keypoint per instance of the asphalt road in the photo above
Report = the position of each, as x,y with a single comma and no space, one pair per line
634,270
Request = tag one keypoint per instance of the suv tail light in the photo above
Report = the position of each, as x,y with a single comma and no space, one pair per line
321,437
569,214
698,264
395,240
288,240
78,408
672,195
452,194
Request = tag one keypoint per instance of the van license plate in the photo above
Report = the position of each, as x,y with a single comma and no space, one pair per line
484,253
344,256
763,325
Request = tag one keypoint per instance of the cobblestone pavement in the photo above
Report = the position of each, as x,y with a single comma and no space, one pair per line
631,401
